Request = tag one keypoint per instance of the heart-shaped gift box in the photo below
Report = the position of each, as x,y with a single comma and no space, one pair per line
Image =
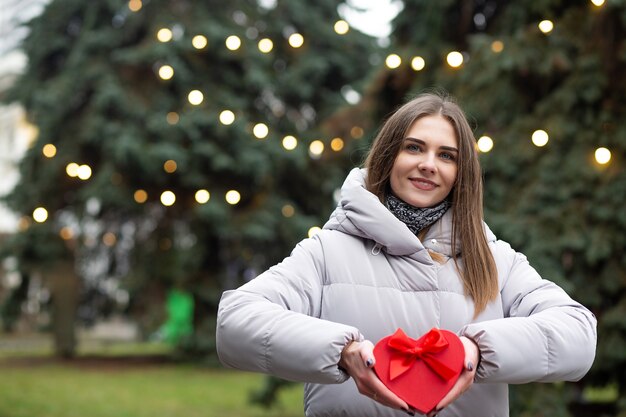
420,371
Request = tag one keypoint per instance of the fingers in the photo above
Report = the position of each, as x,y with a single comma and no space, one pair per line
367,353
466,379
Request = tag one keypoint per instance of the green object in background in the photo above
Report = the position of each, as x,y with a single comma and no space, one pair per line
179,306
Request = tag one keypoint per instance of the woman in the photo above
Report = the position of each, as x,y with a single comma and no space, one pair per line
407,248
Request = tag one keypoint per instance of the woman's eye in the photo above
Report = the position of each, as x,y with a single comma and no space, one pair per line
412,147
447,156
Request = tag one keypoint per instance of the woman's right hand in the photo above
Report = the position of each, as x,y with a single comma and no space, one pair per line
357,358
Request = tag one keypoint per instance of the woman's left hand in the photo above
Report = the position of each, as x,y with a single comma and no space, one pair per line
466,379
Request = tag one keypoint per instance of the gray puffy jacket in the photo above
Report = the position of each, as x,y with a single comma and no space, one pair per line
365,275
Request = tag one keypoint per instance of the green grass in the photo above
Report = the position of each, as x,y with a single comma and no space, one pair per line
58,390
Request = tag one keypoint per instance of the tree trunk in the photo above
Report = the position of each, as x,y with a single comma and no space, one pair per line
64,287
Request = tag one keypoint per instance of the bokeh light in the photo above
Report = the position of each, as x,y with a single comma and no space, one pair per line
202,196
336,144
266,45
454,59
195,97
164,35
393,61
233,42
49,150
602,155
540,138
168,198
418,63
233,197
313,231
484,144
342,27
199,42
296,40
288,210
166,72
290,142
260,130
140,196
546,26
84,172
170,166
40,214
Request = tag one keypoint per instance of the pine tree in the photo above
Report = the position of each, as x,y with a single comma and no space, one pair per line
150,113
561,204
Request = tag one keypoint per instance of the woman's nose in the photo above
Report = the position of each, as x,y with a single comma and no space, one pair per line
427,164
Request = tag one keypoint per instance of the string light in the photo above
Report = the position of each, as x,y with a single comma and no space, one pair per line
195,97
288,210
172,118
170,166
233,42
540,138
546,26
166,72
336,144
140,196
227,117
199,42
454,59
72,169
49,150
602,155
168,198
484,144
393,61
418,63
84,172
202,196
313,231
40,214
356,132
497,46
109,239
316,148
134,5
260,130
290,142
266,45
233,197
66,233
597,3
296,40
164,35
342,27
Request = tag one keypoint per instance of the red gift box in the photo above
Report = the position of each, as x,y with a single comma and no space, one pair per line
421,371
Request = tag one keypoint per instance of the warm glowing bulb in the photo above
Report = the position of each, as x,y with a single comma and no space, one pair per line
260,130
49,150
140,196
109,239
84,172
313,231
497,46
134,5
202,196
393,61
455,59
296,40
356,132
484,144
288,210
342,27
170,166
166,72
172,118
199,42
72,169
66,233
233,42
227,117
418,63
336,144
233,197
164,35
290,142
266,45
40,214
195,97
546,26
540,137
603,156
316,148
597,3
168,198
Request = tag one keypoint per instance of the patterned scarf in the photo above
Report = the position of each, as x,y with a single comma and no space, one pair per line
416,218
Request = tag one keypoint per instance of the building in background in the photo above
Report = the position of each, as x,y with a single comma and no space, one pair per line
15,132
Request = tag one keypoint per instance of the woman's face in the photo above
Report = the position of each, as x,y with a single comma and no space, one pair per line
425,169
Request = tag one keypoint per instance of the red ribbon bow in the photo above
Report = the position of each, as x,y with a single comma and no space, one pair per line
408,350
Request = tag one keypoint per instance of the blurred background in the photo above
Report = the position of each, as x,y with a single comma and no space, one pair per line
154,153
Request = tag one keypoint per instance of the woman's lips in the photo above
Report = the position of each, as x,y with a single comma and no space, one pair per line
423,184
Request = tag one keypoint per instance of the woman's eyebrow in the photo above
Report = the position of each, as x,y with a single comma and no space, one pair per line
421,142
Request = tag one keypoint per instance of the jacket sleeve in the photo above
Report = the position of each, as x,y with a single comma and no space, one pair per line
545,335
271,324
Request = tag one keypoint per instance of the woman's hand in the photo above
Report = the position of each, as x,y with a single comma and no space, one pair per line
466,379
357,358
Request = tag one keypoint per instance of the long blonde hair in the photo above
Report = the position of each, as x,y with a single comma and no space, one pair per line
479,274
